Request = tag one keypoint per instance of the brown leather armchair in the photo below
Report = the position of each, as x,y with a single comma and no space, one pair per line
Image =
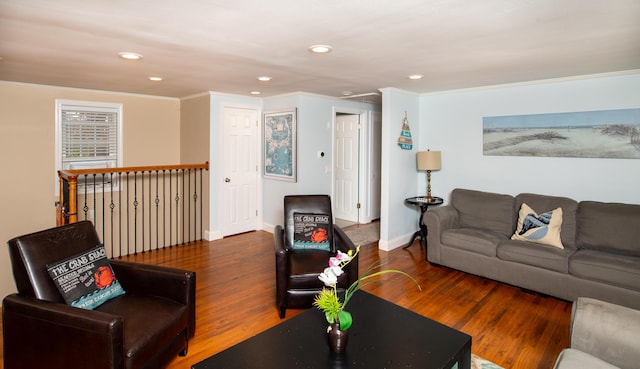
144,328
297,270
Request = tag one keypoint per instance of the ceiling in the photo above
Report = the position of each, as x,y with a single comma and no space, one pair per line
224,45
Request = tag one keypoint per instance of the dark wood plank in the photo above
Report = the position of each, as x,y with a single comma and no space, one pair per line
236,300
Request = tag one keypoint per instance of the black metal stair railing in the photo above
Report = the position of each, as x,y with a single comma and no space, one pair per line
135,209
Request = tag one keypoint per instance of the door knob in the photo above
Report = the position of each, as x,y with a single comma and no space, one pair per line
227,180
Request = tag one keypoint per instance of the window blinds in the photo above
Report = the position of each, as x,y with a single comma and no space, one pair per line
89,134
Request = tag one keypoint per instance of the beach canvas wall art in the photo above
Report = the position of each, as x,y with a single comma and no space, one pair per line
589,134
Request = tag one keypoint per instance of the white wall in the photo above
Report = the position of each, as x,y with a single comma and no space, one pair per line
452,122
275,190
398,221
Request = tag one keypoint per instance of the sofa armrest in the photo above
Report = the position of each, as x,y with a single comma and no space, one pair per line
437,221
172,283
344,244
607,331
278,240
281,264
146,279
36,334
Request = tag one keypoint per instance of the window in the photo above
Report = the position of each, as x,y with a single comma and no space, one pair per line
88,135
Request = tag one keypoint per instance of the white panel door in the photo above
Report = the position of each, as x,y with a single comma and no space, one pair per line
239,170
345,202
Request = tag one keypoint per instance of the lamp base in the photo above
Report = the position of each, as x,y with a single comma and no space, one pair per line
429,197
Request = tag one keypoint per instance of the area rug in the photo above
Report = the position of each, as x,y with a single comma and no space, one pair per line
364,234
479,363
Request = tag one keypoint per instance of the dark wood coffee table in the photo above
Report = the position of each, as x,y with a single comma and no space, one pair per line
383,335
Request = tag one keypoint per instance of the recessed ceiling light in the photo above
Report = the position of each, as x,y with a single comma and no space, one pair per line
415,76
264,78
347,93
155,79
129,55
255,92
320,49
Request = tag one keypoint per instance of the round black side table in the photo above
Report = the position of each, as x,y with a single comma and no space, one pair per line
423,204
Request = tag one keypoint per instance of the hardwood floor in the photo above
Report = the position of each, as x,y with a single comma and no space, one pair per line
236,288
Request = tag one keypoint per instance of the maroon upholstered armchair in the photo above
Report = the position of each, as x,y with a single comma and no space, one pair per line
144,328
297,268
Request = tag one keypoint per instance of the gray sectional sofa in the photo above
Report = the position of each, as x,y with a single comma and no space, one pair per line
600,257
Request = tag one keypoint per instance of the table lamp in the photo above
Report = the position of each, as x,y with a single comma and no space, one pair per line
429,160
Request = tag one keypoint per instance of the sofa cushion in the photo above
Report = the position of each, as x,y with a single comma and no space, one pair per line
150,323
485,210
576,359
619,270
543,229
543,203
305,266
609,227
542,256
474,240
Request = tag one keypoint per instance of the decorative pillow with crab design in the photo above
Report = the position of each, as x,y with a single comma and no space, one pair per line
311,231
86,280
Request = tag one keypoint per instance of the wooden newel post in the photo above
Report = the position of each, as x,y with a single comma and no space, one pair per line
73,207
59,203
66,208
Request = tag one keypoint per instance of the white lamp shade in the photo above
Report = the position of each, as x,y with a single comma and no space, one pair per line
429,160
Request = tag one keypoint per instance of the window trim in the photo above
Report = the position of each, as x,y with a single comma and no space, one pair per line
60,105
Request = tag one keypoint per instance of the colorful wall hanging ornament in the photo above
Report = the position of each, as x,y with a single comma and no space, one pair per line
404,141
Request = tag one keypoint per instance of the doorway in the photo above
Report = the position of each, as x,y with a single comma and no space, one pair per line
357,161
347,167
240,175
